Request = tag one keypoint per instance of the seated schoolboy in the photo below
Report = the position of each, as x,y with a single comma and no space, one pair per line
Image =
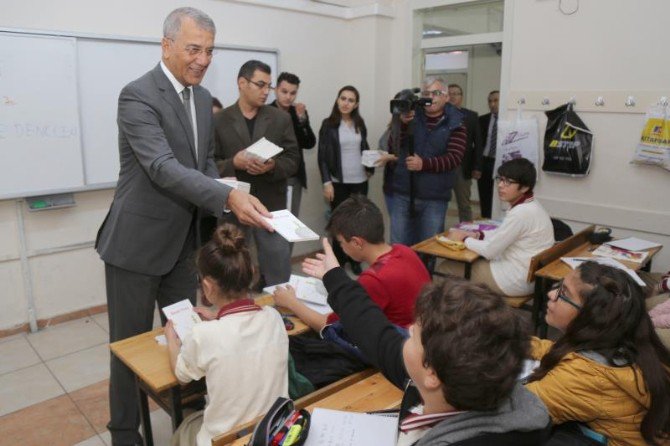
244,345
393,279
525,231
459,366
609,369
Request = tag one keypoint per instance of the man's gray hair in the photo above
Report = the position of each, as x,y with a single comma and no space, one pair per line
429,80
172,23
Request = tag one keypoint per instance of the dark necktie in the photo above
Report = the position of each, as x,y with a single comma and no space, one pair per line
494,136
186,100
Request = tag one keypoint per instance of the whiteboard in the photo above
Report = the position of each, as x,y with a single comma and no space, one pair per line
40,146
71,83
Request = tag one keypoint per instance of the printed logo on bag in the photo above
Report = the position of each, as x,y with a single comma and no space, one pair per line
656,133
568,133
515,136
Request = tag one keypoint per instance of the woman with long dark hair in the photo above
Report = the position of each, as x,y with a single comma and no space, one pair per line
609,370
342,138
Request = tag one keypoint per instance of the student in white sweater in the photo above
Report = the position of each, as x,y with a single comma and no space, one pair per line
241,350
525,231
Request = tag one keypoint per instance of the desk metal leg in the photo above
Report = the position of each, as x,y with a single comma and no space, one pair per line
468,271
176,410
145,417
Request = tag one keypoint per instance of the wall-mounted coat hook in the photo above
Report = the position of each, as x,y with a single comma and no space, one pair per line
521,101
663,101
573,101
600,101
546,101
630,101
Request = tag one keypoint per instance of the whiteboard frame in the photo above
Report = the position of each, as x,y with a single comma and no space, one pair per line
115,38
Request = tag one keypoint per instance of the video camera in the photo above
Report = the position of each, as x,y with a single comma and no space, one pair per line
407,100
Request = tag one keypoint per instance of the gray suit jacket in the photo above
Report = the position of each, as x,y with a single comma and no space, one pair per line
160,187
232,135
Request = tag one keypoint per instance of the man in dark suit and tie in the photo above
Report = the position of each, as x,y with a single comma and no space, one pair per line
167,176
488,124
236,128
471,166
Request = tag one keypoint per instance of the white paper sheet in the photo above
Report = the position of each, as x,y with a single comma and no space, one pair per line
337,428
235,184
288,226
633,244
309,290
574,262
182,316
264,149
369,158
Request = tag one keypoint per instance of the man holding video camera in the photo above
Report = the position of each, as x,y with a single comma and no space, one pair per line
431,145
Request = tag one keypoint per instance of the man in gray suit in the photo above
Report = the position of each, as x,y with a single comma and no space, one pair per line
239,126
166,178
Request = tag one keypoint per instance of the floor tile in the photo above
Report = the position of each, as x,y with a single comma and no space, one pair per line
93,441
56,422
25,387
102,320
93,402
161,426
107,438
69,337
81,369
15,354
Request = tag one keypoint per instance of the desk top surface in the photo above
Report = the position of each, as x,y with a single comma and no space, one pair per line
372,393
150,361
433,247
558,269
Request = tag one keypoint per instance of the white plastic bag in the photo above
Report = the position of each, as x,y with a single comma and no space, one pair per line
654,145
518,138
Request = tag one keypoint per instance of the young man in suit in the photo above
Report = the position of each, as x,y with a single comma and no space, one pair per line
236,128
488,124
287,92
471,166
165,180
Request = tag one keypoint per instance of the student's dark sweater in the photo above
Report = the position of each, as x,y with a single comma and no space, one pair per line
520,420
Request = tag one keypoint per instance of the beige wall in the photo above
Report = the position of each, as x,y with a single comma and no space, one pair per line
608,45
326,52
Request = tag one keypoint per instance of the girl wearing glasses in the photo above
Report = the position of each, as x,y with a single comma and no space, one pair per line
608,370
235,348
342,138
525,231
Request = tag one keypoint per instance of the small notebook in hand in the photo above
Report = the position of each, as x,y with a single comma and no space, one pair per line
182,316
264,149
288,226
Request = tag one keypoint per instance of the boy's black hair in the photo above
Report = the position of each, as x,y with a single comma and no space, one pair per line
520,170
357,216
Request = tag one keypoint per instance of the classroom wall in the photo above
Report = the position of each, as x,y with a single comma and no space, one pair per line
607,45
326,52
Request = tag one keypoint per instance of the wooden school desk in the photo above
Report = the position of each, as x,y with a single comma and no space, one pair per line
150,363
433,248
370,394
557,270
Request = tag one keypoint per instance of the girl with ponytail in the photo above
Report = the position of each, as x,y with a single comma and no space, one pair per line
242,352
609,370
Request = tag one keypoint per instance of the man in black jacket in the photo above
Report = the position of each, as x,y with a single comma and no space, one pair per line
286,93
488,124
471,166
458,368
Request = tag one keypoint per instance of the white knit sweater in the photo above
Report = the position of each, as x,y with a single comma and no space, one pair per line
525,231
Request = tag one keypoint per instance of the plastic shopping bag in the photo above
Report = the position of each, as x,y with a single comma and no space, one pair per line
654,145
567,143
518,138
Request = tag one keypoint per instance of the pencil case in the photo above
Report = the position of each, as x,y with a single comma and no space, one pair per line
282,425
450,244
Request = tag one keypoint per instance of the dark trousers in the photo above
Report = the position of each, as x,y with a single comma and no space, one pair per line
342,192
485,186
131,299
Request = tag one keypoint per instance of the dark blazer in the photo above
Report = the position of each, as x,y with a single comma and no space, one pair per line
160,185
330,154
306,139
232,135
484,121
472,158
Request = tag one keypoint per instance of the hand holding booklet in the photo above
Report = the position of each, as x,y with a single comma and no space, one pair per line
289,227
183,317
309,290
264,149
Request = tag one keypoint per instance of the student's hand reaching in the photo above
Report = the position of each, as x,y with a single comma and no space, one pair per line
323,263
285,296
171,335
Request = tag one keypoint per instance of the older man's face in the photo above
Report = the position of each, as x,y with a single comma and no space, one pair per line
439,95
189,53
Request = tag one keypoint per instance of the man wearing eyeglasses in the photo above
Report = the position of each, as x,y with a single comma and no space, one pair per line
236,128
432,146
166,178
